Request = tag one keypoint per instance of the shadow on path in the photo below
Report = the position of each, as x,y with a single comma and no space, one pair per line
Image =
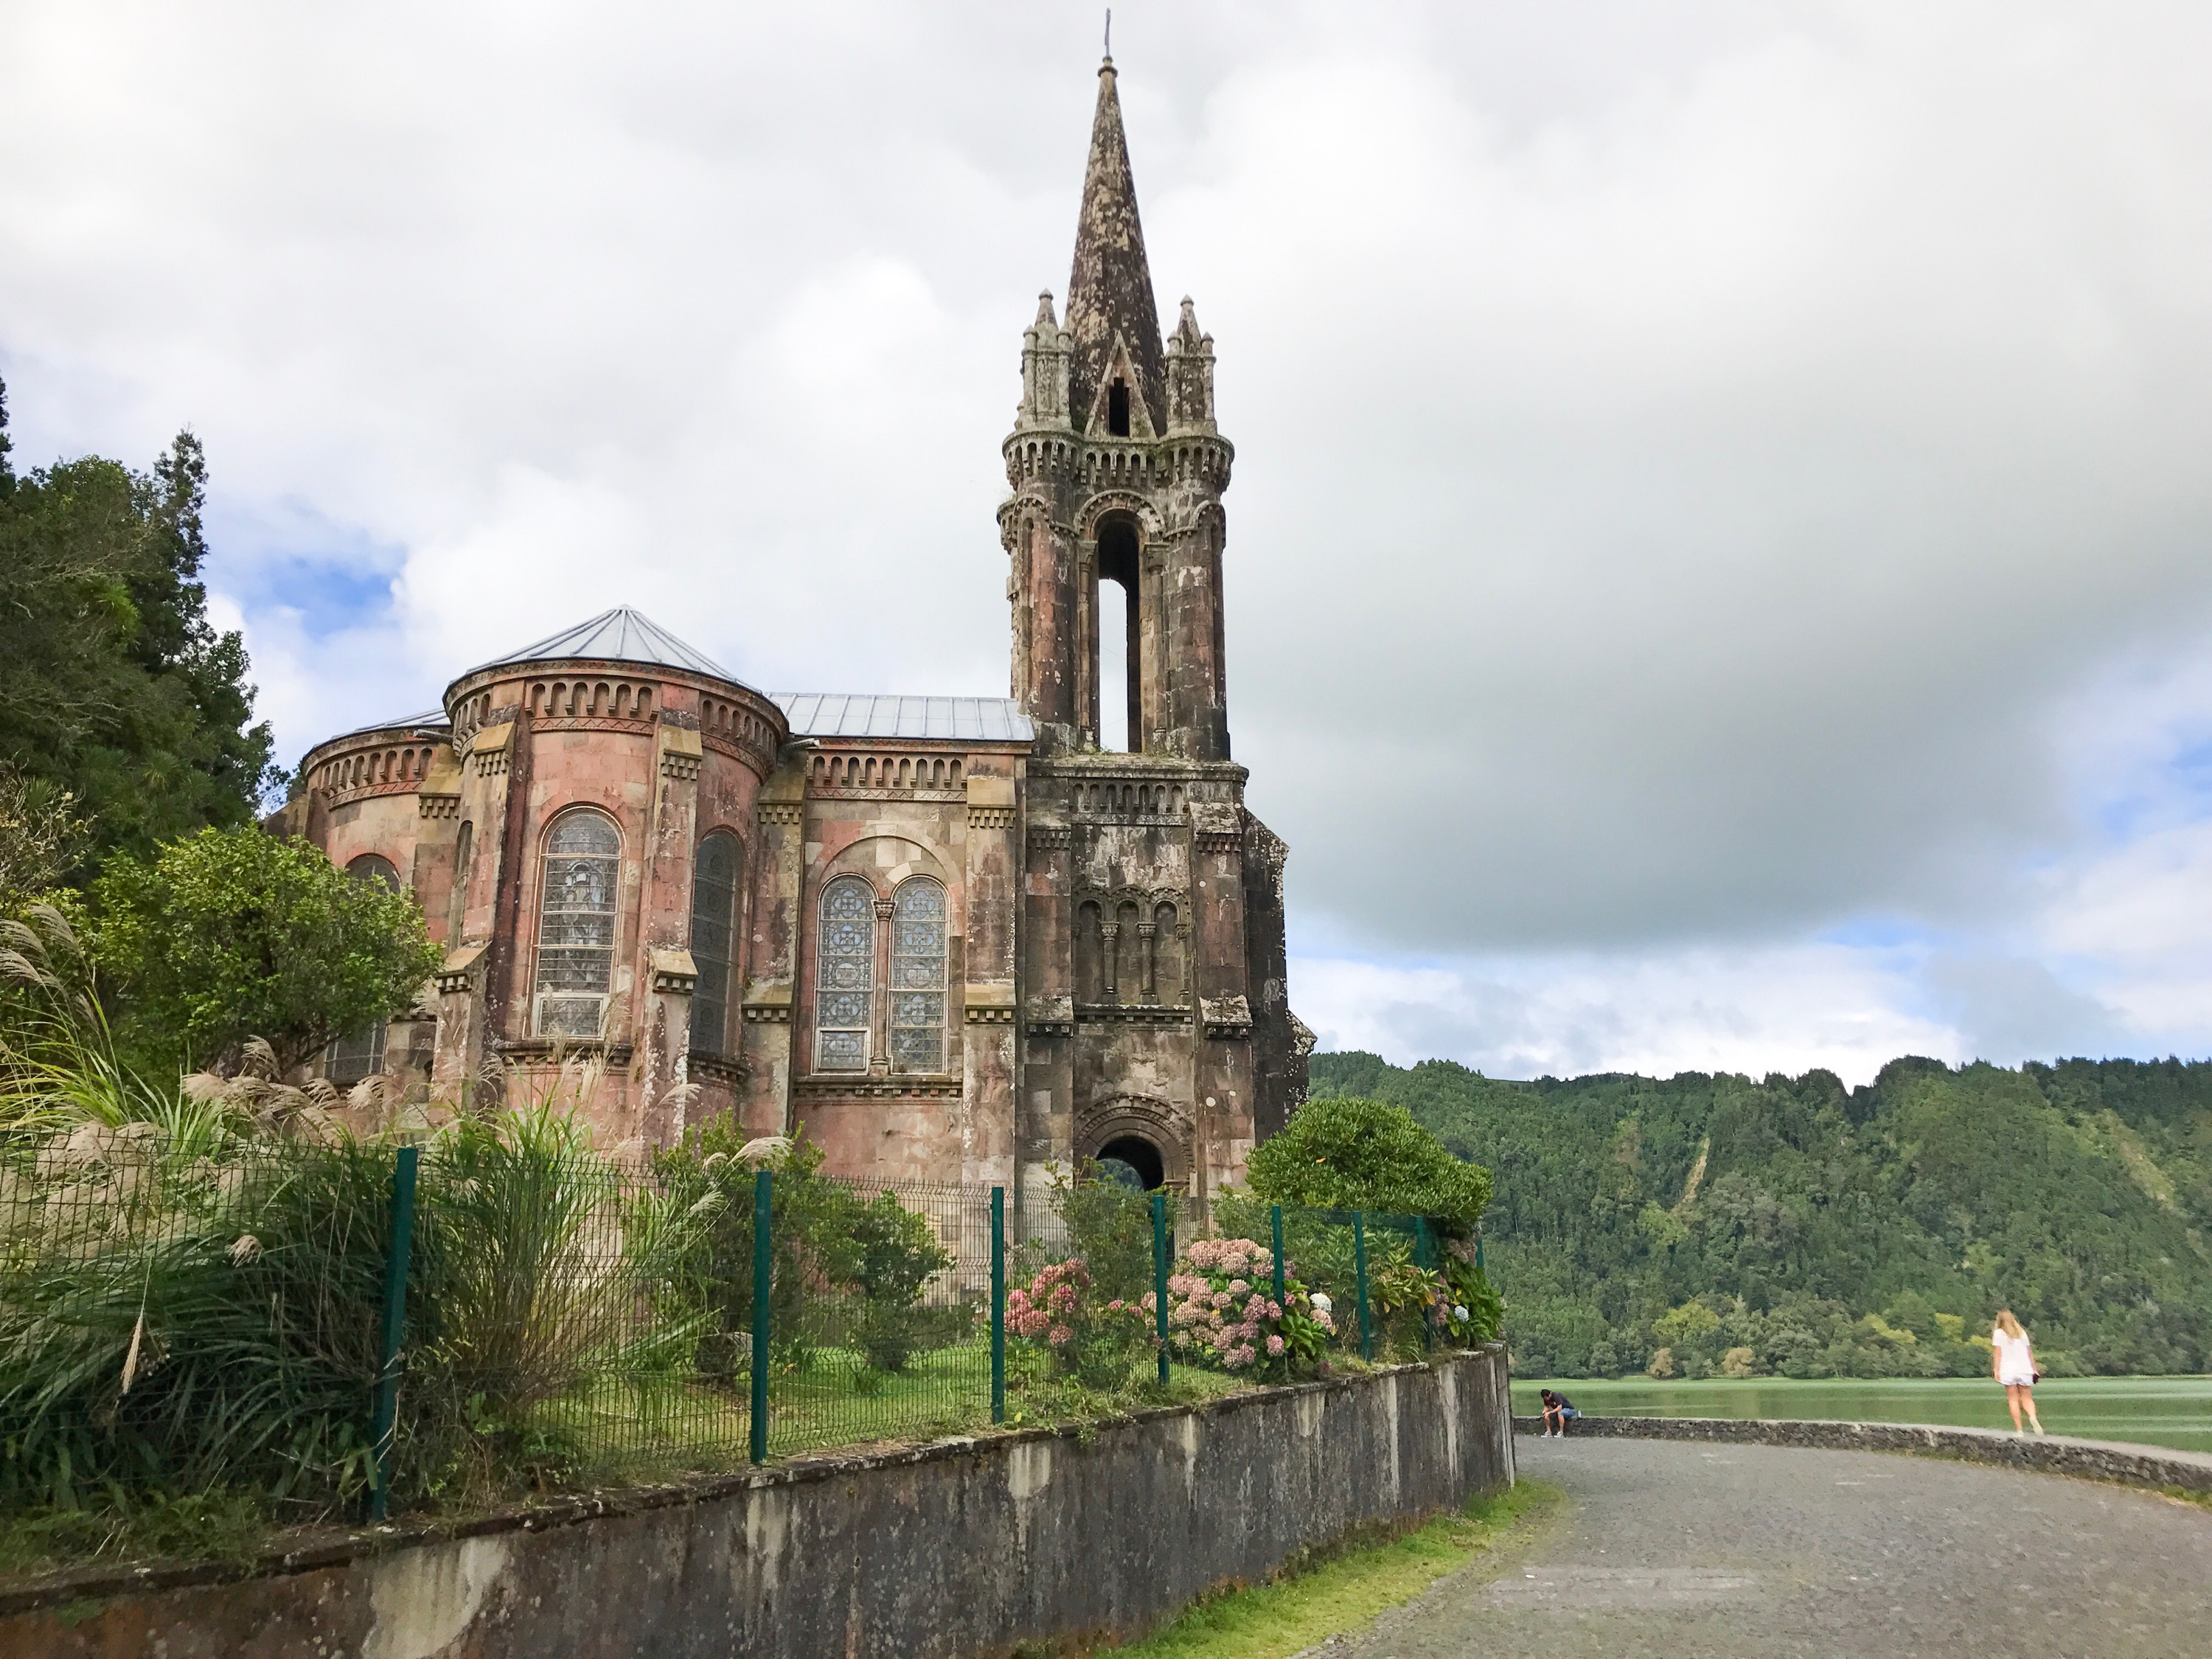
1684,1550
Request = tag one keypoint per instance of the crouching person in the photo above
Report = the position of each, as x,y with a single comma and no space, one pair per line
1558,1411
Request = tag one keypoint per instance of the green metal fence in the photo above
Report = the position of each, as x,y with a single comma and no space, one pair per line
386,1328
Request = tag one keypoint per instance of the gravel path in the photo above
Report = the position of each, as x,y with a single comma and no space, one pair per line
1686,1549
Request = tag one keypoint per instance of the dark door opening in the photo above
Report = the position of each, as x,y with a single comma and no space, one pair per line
1134,1161
1117,409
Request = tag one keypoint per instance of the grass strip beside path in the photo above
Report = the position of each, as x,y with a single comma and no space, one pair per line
1317,1598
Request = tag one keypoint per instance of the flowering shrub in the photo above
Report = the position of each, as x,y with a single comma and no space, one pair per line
1092,1340
1220,1311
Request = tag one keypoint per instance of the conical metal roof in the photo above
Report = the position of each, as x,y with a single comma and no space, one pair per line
621,634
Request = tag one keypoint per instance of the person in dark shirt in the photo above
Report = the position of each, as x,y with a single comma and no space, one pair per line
1558,1411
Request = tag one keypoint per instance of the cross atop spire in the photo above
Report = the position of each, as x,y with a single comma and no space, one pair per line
1110,292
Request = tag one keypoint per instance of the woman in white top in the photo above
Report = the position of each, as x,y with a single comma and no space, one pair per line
2012,1362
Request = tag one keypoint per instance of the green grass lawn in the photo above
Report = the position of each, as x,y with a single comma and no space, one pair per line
1344,1589
2158,1411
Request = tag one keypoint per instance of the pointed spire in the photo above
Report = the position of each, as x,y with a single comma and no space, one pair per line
1110,292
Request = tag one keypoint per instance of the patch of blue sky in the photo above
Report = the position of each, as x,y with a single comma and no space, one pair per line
1878,932
288,554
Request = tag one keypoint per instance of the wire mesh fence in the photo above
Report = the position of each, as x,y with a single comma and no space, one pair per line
503,1308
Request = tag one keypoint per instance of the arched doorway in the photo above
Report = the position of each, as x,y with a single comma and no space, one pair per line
1141,1140
1132,1161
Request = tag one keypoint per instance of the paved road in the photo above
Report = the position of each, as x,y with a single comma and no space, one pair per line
1683,1550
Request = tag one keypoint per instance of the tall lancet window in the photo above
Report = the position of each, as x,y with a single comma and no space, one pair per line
918,976
576,923
714,940
845,947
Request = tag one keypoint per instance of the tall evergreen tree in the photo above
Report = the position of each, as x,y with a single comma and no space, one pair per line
113,685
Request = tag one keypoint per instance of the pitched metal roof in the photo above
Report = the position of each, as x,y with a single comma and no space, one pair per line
984,720
621,634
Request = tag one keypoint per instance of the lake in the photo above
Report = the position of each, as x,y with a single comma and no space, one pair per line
2159,1411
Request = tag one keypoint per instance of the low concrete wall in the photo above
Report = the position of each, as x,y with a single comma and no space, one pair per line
2097,1460
951,1550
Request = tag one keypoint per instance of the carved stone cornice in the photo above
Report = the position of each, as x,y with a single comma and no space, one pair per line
779,813
715,1068
635,728
1051,837
990,818
1228,1018
1130,1014
1050,1016
848,792
860,1087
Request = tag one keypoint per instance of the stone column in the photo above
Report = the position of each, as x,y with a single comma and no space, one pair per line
1045,1107
991,858
767,963
1220,975
475,983
666,974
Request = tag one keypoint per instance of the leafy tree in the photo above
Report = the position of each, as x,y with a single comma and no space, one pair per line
1868,1231
40,834
231,933
1351,1153
114,687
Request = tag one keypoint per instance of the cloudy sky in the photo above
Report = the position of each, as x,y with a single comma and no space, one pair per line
1718,564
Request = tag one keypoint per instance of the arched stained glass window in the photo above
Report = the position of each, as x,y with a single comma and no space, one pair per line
576,923
918,976
351,1059
714,940
845,978
370,866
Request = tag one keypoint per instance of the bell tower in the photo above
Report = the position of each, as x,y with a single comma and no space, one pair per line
1153,1022
1117,469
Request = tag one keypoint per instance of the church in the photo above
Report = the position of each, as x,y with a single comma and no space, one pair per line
951,938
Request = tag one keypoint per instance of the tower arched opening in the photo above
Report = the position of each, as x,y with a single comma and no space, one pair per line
1119,674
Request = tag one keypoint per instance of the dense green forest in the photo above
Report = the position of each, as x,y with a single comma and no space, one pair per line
1699,1227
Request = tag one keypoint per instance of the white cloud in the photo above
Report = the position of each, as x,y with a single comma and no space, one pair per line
1787,1009
1707,475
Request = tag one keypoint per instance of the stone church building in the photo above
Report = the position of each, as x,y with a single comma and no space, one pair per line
951,937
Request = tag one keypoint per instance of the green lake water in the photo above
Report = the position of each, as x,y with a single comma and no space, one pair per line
2159,1411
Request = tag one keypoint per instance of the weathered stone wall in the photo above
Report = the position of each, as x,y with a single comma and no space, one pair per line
954,1551
2096,1460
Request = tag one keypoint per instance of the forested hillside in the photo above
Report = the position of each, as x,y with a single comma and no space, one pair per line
1706,1226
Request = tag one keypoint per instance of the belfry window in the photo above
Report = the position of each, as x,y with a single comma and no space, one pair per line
845,978
918,976
576,923
1117,409
714,940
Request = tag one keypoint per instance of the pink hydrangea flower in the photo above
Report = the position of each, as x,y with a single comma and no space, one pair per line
1238,1286
1060,1336
1274,1348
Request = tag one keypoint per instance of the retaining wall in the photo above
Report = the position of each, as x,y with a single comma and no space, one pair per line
2097,1460
954,1550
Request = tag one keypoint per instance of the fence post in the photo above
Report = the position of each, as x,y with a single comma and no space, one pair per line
998,1304
1160,1279
763,1197
1359,1274
1425,1257
1275,1222
385,1420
